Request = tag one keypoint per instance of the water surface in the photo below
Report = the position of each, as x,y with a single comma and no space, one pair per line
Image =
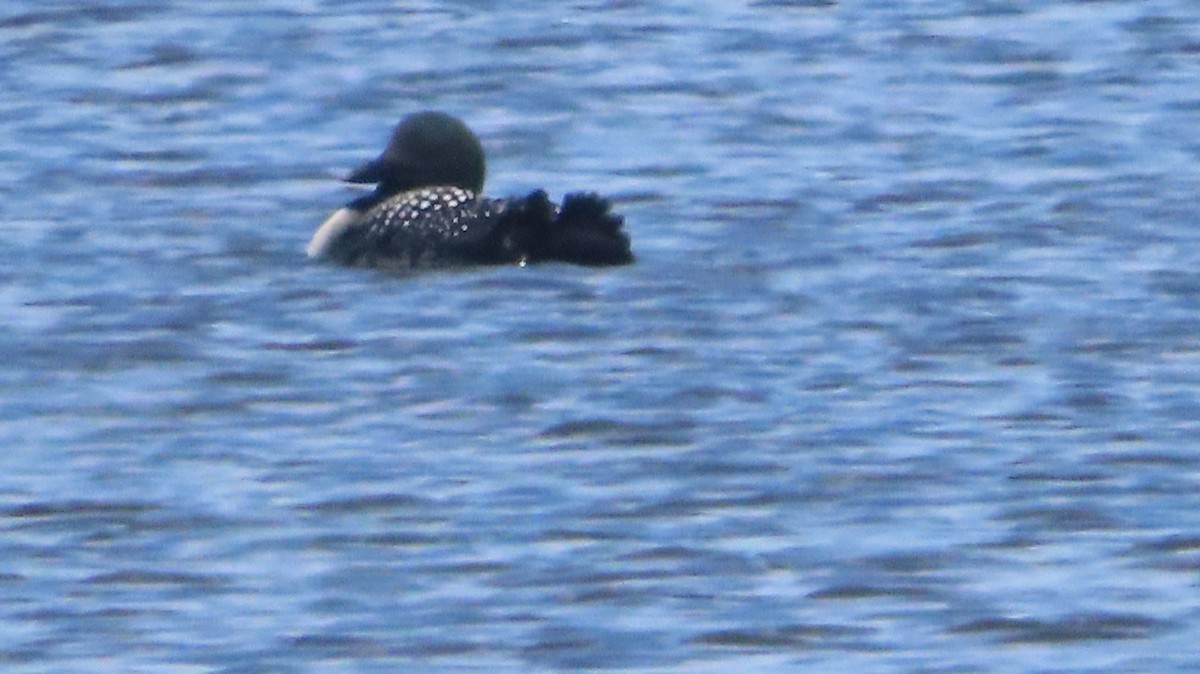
905,378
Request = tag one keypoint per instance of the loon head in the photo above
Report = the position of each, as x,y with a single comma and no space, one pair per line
426,149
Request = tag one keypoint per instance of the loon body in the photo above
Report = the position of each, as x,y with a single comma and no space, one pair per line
427,211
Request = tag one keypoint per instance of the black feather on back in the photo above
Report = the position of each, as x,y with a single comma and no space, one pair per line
450,226
421,228
587,232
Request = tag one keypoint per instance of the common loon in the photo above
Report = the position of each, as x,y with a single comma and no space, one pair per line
427,210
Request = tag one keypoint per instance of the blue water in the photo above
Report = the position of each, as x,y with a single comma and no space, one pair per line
906,377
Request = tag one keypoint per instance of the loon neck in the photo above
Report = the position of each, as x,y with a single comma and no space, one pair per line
368,201
380,194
